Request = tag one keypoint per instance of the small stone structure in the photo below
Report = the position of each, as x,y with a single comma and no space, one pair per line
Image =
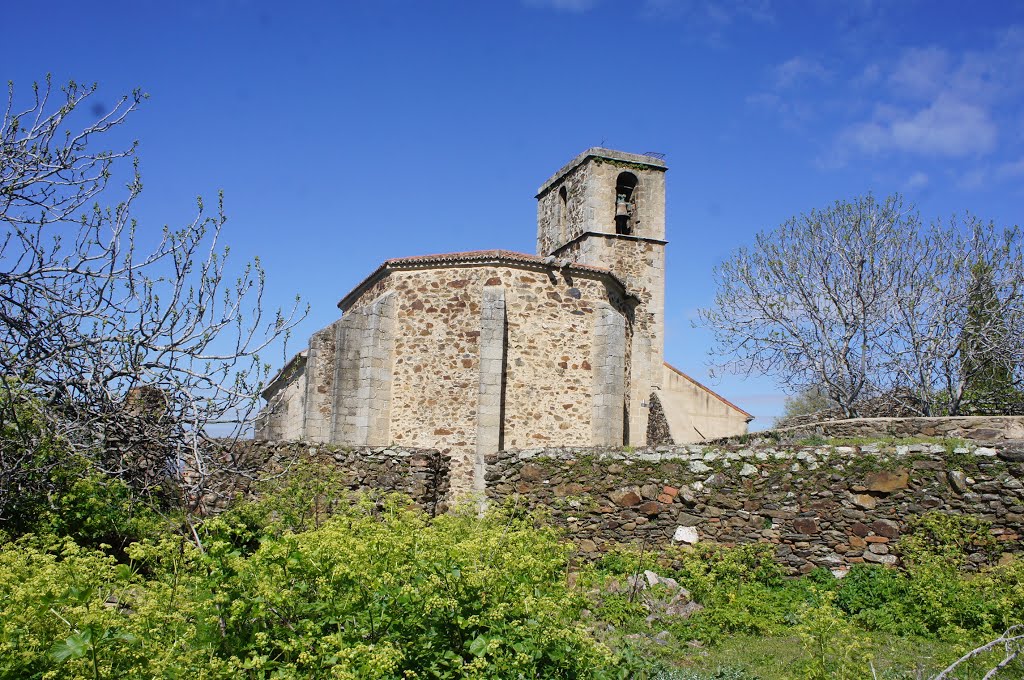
479,352
242,467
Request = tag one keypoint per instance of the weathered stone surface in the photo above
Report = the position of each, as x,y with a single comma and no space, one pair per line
879,559
865,501
686,535
887,481
626,498
531,473
886,528
650,508
805,525
958,480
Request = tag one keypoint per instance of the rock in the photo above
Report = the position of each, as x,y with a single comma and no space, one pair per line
587,546
957,480
688,520
879,559
747,470
887,481
670,491
570,489
1013,454
649,491
686,535
650,508
805,525
531,473
626,498
865,501
698,468
683,611
885,527
878,548
652,578
665,498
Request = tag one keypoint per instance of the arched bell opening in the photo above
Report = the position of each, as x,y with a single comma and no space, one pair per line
625,203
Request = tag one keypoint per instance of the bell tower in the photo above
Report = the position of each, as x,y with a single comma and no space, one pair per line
607,208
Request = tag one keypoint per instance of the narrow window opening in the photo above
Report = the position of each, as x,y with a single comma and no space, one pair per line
625,203
563,210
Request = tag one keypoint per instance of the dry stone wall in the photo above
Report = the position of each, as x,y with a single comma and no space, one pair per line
820,506
244,466
975,428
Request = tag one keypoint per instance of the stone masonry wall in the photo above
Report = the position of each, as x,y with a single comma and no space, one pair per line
421,474
975,428
818,505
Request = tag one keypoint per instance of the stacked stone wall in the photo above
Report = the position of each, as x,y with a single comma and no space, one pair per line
245,467
820,506
975,428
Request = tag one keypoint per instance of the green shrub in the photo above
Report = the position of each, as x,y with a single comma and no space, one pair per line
377,590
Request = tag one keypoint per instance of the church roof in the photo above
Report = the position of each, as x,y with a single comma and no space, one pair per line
476,257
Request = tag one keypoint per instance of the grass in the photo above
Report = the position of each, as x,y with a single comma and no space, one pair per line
747,657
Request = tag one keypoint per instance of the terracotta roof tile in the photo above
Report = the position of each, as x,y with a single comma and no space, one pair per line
470,257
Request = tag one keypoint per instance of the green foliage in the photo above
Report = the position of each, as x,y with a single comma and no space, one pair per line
947,537
833,648
805,402
743,590
375,590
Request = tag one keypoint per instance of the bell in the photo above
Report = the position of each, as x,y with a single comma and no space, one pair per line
621,208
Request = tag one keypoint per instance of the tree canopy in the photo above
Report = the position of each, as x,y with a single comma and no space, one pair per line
860,300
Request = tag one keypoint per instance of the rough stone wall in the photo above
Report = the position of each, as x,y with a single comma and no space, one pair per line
549,377
436,382
658,431
284,415
819,506
319,401
975,428
554,228
640,263
421,474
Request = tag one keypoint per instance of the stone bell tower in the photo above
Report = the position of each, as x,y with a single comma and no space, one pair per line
607,208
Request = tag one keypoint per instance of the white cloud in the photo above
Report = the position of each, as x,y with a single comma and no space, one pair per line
946,127
921,73
797,71
916,181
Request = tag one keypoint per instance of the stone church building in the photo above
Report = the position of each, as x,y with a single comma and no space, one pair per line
477,352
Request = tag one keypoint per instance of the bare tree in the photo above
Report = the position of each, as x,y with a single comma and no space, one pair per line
1011,643
859,300
128,354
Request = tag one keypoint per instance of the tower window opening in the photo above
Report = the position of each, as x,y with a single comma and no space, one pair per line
563,210
625,203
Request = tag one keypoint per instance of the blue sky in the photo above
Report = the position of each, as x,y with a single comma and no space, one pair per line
345,133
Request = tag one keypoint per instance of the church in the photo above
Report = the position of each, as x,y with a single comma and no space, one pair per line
477,352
